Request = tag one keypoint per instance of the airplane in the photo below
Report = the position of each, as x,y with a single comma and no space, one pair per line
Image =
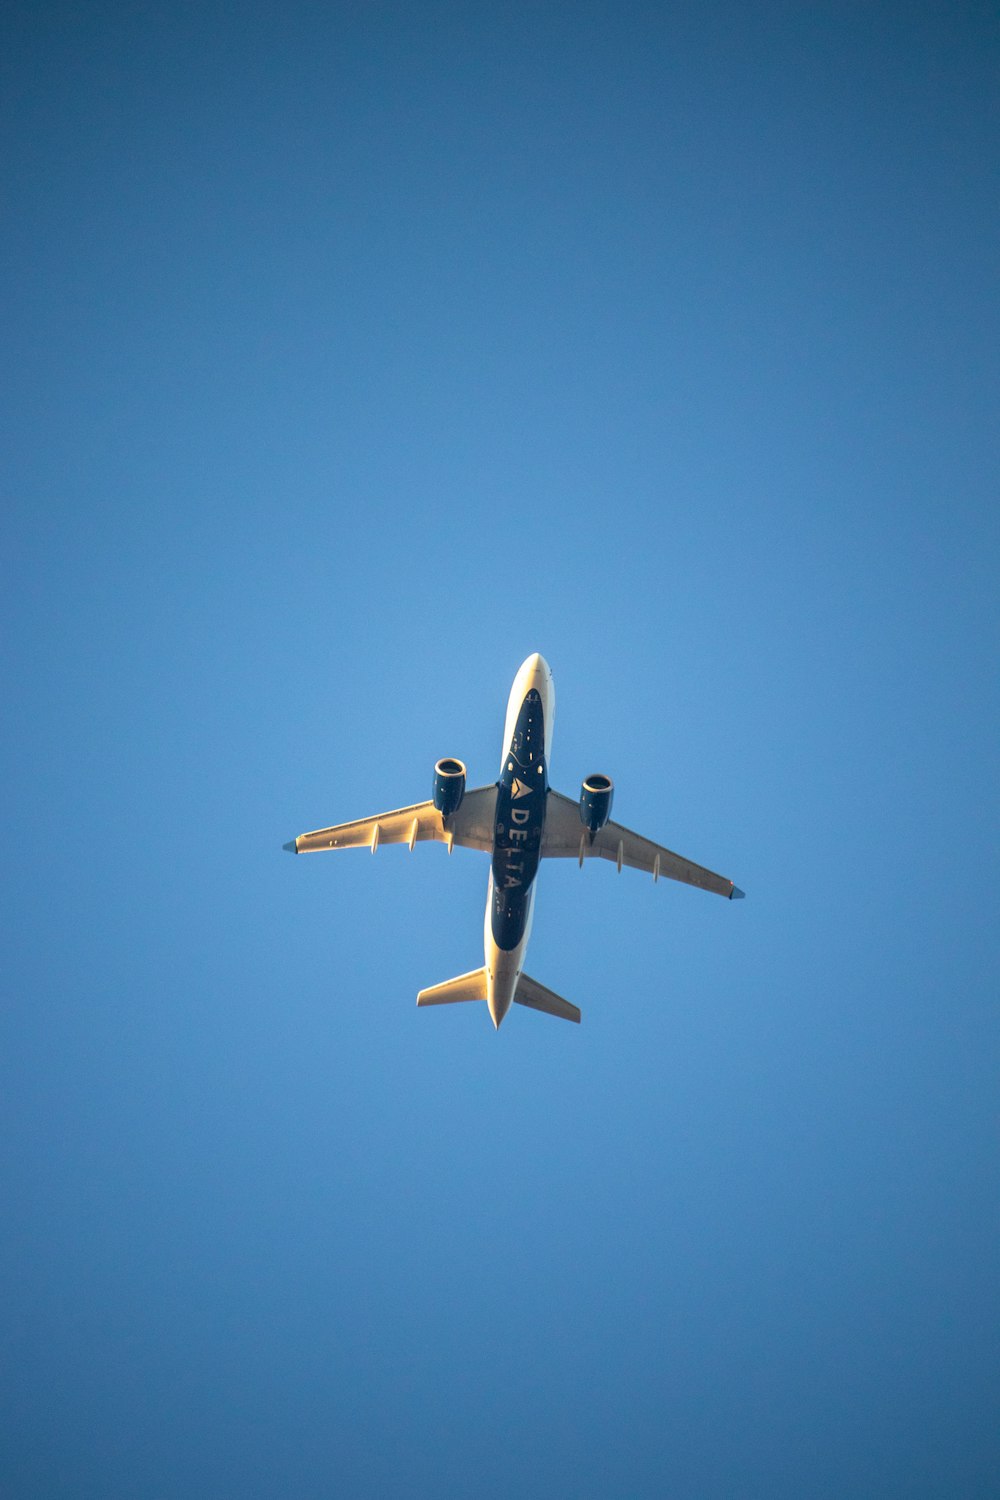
518,821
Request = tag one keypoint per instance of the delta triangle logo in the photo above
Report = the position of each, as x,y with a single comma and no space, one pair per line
520,789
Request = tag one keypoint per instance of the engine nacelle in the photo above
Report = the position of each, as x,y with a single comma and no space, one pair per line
449,786
595,801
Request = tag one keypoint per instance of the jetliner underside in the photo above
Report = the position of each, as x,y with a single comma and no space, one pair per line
518,821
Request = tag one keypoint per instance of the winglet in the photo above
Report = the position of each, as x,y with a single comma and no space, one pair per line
293,847
734,895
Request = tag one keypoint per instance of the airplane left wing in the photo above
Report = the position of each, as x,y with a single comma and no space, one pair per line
471,826
566,837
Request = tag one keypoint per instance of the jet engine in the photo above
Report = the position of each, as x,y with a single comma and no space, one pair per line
449,786
595,801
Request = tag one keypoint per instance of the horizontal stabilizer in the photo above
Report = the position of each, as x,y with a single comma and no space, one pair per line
470,986
529,992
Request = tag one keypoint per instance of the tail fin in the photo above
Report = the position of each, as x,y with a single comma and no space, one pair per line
529,992
470,986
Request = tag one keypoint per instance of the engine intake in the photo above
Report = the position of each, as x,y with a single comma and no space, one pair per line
595,801
449,786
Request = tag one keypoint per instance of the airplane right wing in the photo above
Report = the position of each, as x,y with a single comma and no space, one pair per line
471,826
566,837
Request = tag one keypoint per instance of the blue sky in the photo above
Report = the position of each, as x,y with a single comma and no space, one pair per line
352,353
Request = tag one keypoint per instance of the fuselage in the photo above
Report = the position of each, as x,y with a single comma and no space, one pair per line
522,792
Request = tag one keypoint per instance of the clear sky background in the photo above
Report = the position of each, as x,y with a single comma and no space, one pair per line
350,354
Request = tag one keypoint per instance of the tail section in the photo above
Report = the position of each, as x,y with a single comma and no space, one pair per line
473,986
470,986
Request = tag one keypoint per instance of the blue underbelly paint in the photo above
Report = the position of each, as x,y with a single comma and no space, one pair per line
522,792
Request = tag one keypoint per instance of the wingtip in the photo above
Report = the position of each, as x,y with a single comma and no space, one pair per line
293,847
736,894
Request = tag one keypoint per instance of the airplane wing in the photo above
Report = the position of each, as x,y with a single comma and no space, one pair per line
471,826
565,837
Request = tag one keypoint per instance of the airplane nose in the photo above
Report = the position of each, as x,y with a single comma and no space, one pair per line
537,670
